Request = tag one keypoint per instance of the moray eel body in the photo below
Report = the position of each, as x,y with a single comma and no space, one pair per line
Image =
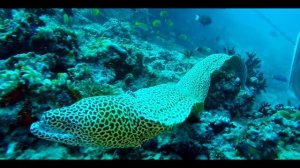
126,120
130,119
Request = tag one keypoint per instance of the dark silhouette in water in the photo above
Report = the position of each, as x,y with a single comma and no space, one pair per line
280,78
204,19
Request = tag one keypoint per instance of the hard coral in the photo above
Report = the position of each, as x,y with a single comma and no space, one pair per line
226,93
122,63
88,87
229,51
291,114
17,33
266,108
60,41
253,63
255,76
224,88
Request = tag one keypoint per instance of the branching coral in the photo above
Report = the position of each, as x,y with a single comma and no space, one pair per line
255,76
229,51
188,53
253,63
266,108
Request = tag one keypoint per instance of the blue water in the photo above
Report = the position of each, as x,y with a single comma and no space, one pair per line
247,31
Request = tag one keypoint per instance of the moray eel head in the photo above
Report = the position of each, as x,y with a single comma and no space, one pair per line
54,126
106,121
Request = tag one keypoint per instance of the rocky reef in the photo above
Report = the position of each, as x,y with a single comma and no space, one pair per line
51,58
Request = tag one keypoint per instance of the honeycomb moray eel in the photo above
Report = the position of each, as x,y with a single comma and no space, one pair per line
130,119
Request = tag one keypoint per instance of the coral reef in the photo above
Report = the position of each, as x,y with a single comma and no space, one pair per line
227,91
16,34
52,58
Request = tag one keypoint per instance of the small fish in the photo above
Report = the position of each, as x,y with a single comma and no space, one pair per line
203,50
203,19
281,78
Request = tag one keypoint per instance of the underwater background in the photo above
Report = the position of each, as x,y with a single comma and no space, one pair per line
53,58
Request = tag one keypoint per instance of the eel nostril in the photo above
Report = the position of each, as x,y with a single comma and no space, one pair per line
44,117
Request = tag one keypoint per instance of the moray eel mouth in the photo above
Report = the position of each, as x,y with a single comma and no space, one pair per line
53,129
